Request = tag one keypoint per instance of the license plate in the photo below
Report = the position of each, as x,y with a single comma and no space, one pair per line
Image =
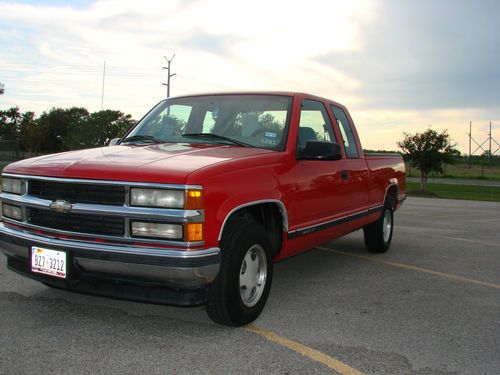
48,262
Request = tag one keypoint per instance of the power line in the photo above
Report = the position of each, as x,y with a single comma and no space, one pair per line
18,65
13,69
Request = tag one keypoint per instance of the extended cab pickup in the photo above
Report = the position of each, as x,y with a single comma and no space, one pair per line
195,204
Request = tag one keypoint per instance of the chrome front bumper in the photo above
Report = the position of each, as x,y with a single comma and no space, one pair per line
189,269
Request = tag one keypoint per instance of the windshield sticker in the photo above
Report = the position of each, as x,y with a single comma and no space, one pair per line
271,134
266,141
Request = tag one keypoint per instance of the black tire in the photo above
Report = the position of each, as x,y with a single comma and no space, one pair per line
378,235
229,302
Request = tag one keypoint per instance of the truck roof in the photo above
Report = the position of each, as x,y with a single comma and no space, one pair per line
264,92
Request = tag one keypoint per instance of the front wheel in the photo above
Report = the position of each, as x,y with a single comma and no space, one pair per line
378,235
240,291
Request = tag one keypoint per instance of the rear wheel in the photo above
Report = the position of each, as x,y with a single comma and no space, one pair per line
378,235
240,291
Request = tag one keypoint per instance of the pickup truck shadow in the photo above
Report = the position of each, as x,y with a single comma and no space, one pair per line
317,267
296,281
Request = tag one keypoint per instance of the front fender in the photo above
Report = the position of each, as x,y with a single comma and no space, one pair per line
227,193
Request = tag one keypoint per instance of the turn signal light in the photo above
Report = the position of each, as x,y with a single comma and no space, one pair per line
194,200
194,232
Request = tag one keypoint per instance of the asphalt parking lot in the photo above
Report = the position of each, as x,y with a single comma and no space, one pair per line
431,305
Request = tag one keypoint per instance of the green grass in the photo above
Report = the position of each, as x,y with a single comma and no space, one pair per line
478,193
490,172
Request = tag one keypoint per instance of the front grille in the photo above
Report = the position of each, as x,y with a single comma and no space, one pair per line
78,193
93,224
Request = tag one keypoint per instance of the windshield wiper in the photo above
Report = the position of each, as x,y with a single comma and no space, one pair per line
142,138
217,137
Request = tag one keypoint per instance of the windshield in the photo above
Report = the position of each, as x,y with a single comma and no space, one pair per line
242,120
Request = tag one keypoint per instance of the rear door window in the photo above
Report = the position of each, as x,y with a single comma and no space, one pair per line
351,149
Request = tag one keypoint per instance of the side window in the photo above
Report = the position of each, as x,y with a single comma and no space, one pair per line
314,123
351,149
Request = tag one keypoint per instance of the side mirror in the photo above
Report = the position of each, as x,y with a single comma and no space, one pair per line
321,150
113,142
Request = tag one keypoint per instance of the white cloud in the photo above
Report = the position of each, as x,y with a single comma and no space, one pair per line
218,45
53,56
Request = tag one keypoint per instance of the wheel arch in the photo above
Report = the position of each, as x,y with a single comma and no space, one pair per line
271,213
391,193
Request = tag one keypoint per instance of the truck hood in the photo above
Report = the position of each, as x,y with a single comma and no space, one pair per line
163,163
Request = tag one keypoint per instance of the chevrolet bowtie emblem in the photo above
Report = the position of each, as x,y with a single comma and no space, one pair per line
62,207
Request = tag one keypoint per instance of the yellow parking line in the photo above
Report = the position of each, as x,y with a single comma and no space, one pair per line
412,229
313,354
413,268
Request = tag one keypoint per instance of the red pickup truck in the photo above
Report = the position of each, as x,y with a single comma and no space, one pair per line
195,204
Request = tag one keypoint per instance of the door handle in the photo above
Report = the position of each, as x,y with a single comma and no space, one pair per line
344,173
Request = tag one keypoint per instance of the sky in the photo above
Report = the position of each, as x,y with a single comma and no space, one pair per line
397,65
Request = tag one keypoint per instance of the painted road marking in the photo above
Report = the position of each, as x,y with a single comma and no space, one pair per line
413,268
412,229
313,354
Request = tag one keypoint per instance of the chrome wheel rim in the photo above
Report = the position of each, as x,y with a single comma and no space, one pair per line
387,225
253,274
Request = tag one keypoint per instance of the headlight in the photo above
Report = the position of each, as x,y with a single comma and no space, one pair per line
187,199
157,230
12,185
157,198
12,212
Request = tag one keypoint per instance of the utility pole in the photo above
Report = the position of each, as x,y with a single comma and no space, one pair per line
168,74
103,76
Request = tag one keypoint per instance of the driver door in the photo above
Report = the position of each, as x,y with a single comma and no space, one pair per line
320,191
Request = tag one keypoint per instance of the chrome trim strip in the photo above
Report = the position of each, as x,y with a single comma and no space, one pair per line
330,223
105,182
135,250
173,215
249,204
117,239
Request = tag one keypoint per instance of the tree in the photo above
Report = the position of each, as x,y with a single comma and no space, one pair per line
10,123
53,126
62,129
427,152
268,121
31,134
96,129
2,88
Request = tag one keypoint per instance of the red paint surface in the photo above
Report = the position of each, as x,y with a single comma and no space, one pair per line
312,192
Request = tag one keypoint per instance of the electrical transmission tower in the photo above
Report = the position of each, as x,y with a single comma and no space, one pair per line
168,74
488,141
